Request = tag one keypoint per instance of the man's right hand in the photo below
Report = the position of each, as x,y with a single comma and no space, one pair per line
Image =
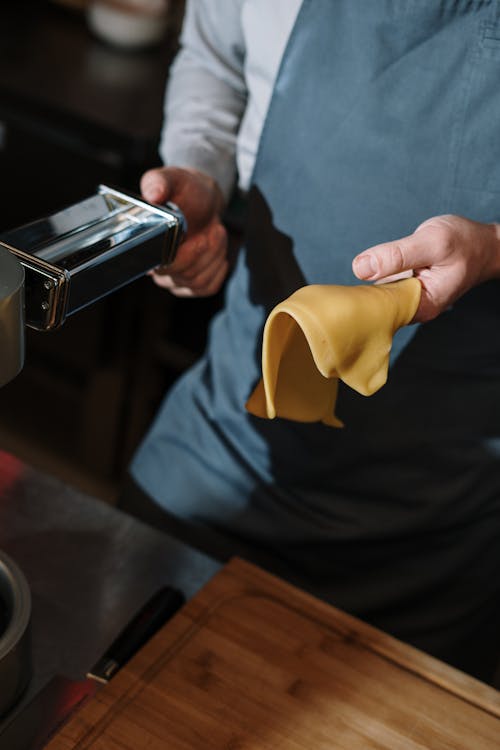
201,265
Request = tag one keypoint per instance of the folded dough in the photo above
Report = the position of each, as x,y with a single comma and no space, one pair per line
325,333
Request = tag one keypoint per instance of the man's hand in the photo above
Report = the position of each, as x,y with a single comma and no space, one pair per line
448,254
201,264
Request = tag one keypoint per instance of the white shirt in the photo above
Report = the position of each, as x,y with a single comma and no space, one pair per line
221,84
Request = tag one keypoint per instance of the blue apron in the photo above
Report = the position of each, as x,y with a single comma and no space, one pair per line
384,114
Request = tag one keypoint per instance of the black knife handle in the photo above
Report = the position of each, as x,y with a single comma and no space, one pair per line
160,608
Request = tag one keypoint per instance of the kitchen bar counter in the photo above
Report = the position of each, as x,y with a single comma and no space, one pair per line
90,568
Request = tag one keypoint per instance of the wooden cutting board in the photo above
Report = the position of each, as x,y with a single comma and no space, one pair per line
251,662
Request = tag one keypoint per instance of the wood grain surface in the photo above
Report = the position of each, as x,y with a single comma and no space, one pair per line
251,662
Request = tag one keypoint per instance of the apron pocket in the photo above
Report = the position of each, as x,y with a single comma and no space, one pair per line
478,157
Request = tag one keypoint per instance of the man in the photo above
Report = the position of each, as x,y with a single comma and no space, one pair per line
365,135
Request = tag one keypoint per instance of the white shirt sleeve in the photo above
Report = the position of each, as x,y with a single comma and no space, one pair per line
206,93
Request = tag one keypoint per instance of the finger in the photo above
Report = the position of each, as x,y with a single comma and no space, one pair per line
162,280
204,285
198,252
201,266
395,277
198,280
426,310
172,285
211,283
392,258
155,186
189,252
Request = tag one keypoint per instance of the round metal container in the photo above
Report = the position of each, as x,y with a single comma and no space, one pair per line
11,316
15,642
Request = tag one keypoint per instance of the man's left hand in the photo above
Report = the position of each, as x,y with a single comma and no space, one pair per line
448,254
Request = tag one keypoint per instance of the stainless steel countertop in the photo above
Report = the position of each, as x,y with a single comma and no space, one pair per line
89,566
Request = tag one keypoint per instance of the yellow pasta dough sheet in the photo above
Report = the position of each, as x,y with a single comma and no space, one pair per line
323,333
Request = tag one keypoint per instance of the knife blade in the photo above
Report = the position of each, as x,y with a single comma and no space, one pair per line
33,725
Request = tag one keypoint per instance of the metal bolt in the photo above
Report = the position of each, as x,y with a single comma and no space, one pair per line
47,285
45,305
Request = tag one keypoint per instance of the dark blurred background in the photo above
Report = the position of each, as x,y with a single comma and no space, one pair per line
77,110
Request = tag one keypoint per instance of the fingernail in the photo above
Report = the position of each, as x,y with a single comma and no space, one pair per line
365,266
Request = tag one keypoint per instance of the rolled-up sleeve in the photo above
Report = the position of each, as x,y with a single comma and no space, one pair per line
206,92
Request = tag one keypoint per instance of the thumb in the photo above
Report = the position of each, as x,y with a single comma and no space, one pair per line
156,186
392,258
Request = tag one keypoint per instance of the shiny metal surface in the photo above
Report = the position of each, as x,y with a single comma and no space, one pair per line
84,252
86,229
11,316
15,652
